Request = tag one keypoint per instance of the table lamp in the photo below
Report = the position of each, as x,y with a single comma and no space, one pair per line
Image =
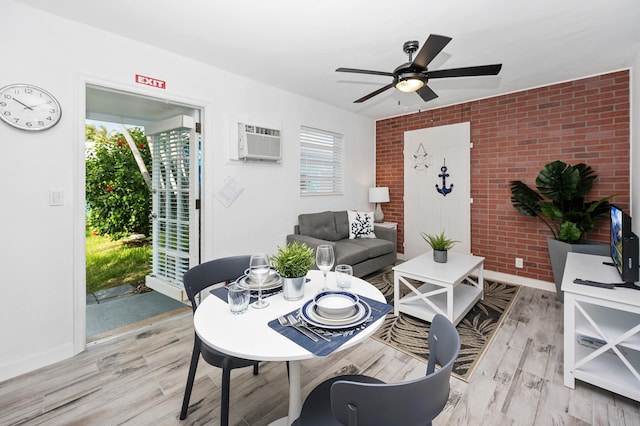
378,195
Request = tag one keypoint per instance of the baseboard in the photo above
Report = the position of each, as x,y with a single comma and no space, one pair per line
523,281
39,360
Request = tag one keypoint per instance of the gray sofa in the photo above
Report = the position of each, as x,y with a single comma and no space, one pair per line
365,255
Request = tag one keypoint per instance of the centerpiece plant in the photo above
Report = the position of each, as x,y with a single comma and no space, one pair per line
294,260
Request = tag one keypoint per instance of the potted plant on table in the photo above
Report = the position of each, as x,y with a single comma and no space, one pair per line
292,263
440,245
560,204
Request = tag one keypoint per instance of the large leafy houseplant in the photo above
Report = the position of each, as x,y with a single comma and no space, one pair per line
560,202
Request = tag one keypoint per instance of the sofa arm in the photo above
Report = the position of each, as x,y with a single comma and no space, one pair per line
386,233
311,242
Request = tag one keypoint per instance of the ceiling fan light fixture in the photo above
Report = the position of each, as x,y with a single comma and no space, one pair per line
409,84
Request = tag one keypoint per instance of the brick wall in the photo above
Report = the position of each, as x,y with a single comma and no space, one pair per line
513,137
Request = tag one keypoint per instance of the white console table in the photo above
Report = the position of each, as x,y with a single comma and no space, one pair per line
601,328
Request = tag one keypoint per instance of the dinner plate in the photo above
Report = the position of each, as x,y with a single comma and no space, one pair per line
273,281
309,313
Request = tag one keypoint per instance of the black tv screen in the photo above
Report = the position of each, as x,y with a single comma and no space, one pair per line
624,245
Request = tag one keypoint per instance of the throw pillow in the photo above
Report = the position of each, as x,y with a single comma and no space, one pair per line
360,225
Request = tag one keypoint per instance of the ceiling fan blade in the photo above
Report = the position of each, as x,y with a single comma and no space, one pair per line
430,49
358,71
466,71
372,94
426,93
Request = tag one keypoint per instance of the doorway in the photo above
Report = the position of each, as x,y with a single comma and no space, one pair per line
126,307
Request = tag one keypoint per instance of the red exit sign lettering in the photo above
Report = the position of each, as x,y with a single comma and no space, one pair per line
150,81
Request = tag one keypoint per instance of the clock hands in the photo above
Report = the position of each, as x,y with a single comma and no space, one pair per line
23,104
43,103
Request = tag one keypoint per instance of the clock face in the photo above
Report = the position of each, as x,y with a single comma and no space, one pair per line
28,107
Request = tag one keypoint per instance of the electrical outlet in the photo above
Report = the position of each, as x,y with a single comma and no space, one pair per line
519,262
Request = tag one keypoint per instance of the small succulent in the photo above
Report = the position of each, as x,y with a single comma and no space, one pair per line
293,260
439,242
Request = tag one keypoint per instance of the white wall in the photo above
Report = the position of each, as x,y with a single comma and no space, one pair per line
635,144
42,259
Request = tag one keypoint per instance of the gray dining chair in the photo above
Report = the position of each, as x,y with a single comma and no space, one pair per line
195,281
362,400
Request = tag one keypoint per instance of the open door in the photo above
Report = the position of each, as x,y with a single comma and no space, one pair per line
175,180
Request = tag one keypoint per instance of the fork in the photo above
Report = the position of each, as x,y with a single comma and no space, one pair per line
284,322
295,321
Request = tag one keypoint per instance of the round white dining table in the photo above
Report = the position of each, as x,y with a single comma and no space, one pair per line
249,336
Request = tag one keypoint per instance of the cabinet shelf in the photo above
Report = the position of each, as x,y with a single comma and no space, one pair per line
609,372
612,324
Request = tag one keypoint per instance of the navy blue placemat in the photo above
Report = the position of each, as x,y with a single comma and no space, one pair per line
221,292
321,347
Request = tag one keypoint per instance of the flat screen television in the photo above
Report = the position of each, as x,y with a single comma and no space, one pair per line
624,245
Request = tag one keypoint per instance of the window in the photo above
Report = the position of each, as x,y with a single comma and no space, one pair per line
320,162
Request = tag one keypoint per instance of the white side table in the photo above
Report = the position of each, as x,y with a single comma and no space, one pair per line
441,291
601,328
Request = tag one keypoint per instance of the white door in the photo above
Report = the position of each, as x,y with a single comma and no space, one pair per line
437,193
175,147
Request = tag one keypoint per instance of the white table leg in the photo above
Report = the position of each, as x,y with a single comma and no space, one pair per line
295,391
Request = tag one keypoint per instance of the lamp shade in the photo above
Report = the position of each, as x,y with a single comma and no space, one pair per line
379,195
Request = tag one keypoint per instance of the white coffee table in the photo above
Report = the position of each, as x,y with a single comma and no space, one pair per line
441,291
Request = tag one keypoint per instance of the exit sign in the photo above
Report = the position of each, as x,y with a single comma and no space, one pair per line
150,81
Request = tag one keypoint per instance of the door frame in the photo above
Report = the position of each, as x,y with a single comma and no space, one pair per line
79,183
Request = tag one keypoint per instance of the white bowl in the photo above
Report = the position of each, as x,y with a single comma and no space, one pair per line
336,304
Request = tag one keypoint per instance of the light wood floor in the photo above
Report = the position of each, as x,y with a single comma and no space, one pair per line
139,378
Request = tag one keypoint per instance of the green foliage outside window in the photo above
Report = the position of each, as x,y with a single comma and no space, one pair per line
118,199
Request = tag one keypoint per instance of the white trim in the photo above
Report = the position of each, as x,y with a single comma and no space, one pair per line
523,281
79,254
37,360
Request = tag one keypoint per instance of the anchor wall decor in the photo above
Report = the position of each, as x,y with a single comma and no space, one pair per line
444,175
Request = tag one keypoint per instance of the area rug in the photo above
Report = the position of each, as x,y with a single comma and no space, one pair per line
409,335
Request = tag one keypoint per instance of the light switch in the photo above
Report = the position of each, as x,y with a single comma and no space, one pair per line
56,197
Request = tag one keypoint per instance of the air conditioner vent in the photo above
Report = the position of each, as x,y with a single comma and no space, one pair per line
258,143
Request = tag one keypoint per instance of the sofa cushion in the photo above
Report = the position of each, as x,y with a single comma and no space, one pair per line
342,224
360,225
375,246
350,254
318,225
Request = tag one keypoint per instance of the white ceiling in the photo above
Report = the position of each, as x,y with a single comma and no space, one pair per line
296,45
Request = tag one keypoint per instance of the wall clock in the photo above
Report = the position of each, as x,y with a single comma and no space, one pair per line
28,107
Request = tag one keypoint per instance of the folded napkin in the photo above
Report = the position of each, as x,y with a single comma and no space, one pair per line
338,337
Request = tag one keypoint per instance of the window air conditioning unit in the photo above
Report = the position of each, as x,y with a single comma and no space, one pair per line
258,143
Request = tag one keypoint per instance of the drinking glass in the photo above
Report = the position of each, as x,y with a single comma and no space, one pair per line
259,268
238,296
343,276
324,261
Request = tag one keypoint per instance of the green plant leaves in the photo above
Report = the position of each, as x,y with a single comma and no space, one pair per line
438,242
560,203
294,260
558,181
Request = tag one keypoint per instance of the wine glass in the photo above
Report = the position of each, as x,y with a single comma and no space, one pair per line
259,268
324,261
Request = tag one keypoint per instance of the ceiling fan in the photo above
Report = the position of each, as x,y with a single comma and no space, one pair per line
414,75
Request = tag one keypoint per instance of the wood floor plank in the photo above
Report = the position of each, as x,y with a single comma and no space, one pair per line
138,379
